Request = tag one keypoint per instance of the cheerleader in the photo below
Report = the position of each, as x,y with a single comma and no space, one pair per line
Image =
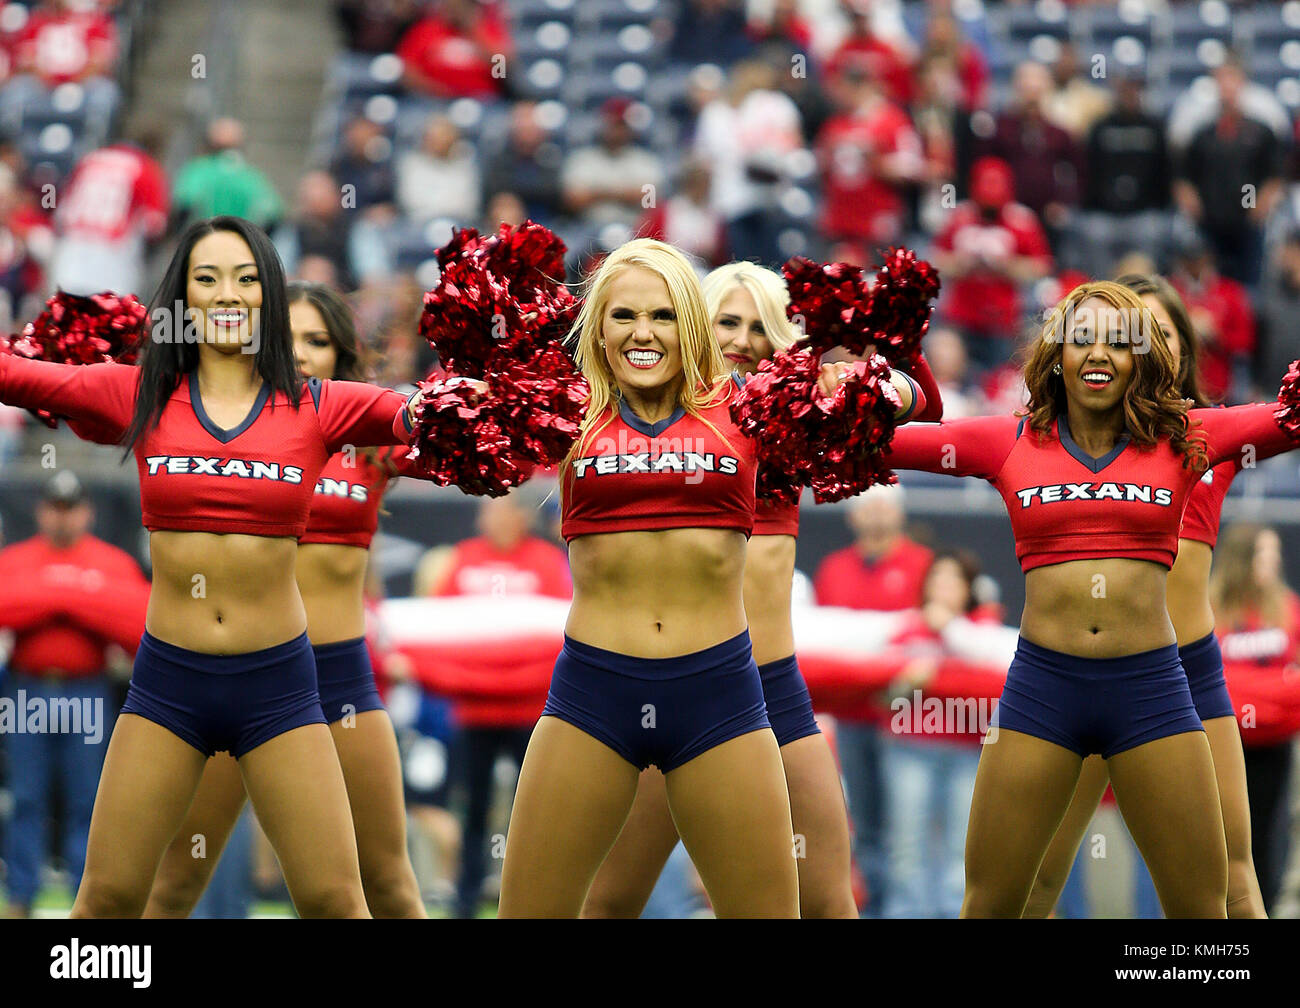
1198,650
330,570
747,306
229,442
1095,478
657,666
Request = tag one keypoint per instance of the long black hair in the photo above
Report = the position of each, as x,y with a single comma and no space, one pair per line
164,361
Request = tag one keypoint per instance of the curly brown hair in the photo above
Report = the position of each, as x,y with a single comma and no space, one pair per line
1153,405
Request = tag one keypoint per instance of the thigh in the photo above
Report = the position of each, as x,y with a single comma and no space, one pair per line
1167,794
148,782
372,774
1059,859
1022,788
633,865
820,820
737,789
573,798
196,848
296,786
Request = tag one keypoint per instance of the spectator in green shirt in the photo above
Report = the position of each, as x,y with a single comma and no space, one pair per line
223,182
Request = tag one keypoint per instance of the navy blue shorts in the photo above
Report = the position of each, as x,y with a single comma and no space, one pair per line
1096,705
345,679
228,703
659,711
1203,663
789,707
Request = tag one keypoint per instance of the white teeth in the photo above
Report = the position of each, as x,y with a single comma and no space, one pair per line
643,356
1096,376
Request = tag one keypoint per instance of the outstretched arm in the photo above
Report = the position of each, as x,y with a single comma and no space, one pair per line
361,414
1240,434
975,446
100,398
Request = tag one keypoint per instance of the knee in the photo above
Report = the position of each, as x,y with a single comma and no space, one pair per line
984,899
108,898
175,894
392,892
612,906
342,899
827,902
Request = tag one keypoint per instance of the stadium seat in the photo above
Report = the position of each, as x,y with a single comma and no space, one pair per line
1270,25
1106,23
358,76
1022,23
1190,23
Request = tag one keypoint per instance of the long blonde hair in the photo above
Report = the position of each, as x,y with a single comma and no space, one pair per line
704,370
770,296
1153,405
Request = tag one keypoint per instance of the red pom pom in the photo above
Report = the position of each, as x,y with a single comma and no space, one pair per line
498,297
804,438
486,443
1287,413
829,303
81,330
901,301
836,306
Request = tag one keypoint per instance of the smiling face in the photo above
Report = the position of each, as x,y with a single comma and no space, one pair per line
639,327
1096,356
739,331
313,349
223,292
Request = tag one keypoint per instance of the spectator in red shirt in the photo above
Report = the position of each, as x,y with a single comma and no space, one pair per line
944,39
63,42
69,599
112,209
1047,162
990,247
505,559
885,61
461,49
868,154
883,569
1220,309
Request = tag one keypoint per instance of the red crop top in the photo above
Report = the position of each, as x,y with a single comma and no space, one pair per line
1065,505
677,473
776,518
256,478
345,506
1205,505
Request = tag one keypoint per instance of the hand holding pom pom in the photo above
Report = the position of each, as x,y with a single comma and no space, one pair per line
818,427
81,330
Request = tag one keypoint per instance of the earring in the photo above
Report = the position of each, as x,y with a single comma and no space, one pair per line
602,344
1056,369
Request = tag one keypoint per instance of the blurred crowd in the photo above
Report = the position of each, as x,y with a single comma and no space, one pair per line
1021,147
